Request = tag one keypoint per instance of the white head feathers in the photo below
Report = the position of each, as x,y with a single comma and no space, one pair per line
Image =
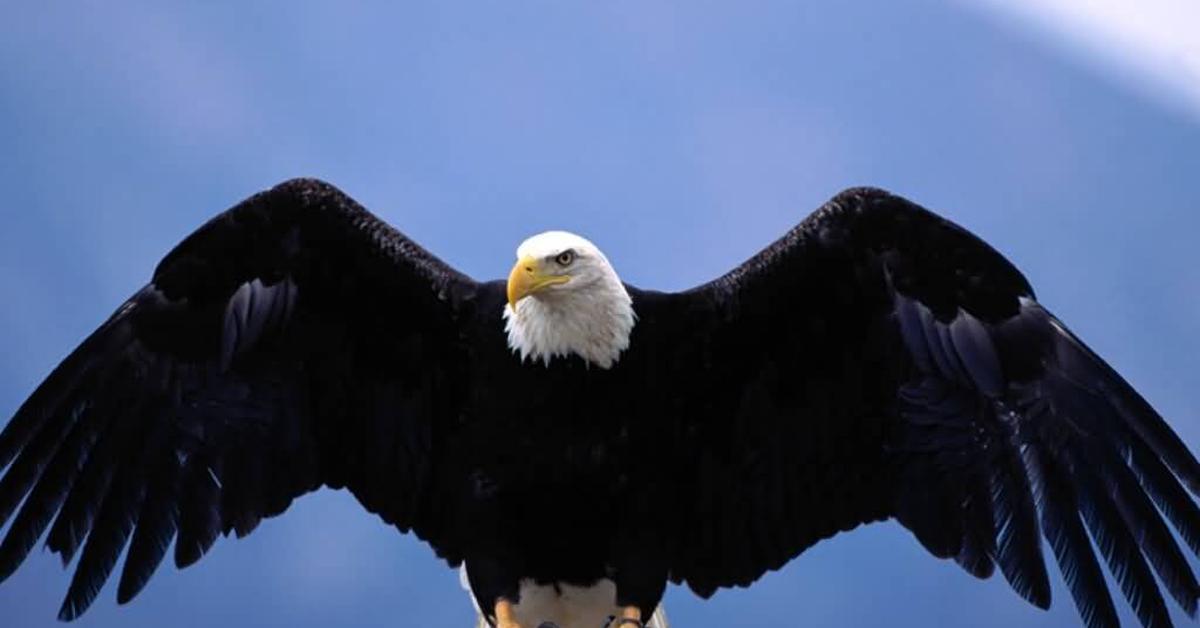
564,298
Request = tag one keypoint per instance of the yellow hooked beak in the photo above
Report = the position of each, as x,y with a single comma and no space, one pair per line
527,278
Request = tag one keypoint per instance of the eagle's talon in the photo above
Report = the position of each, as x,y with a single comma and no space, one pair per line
631,617
505,615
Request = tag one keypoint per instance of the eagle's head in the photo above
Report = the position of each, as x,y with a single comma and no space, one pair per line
563,298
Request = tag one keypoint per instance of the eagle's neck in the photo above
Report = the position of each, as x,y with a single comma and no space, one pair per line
593,322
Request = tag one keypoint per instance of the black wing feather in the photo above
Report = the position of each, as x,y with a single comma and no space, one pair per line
1115,537
273,346
156,526
1018,544
1067,538
922,381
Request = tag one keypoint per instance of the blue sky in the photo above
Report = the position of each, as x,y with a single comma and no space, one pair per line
679,138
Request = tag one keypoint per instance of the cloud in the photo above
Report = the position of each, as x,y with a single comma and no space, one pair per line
1151,45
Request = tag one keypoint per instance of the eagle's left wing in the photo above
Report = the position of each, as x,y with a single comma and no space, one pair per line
881,362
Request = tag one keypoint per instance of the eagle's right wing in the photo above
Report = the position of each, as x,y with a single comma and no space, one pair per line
293,341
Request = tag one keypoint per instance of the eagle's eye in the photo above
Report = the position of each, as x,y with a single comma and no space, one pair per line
565,258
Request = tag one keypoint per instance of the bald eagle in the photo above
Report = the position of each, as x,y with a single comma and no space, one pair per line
574,442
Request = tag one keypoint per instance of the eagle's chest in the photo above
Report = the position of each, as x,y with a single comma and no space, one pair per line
548,464
566,413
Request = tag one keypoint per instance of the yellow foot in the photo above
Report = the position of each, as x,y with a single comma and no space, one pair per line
505,616
630,617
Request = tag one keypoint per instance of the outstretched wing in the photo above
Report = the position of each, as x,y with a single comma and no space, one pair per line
880,362
293,341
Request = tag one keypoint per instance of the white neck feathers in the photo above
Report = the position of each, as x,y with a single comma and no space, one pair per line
594,323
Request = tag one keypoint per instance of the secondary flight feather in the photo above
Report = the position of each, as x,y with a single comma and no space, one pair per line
877,362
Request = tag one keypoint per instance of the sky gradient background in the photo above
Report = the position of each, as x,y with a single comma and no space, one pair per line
680,141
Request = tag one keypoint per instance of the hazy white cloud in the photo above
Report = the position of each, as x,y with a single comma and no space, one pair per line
1151,44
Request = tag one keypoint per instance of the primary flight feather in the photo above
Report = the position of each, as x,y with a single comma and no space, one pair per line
576,442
